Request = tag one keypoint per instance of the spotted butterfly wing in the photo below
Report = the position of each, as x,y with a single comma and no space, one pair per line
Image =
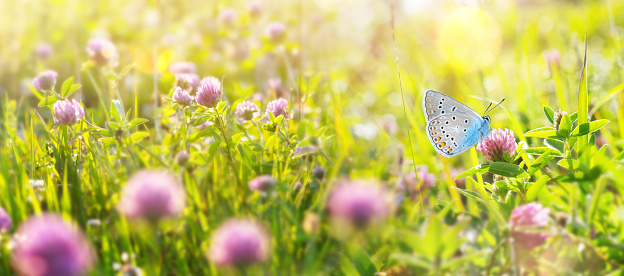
452,127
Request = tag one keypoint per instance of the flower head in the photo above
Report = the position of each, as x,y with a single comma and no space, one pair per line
246,111
182,67
557,118
318,172
182,97
227,16
262,183
45,81
525,221
358,204
209,92
275,85
43,50
239,242
552,57
51,246
102,52
254,8
496,144
275,31
5,221
152,195
187,81
182,157
278,107
67,113
458,182
415,183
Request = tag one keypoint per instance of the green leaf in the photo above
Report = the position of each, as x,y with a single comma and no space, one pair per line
607,97
542,161
565,126
534,190
481,169
126,70
555,144
544,132
587,128
507,170
107,142
71,90
363,263
550,114
540,150
583,105
573,165
67,84
136,122
48,101
138,136
118,109
469,194
574,117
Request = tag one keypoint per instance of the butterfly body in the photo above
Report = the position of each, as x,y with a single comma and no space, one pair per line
452,127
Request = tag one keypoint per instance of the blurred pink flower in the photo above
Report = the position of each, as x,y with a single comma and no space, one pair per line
262,183
278,107
458,182
205,125
227,16
152,195
209,92
45,81
318,172
182,157
187,81
50,246
182,67
5,221
525,222
416,182
43,50
182,97
496,144
358,204
239,242
102,52
275,31
275,86
66,112
246,111
254,8
552,57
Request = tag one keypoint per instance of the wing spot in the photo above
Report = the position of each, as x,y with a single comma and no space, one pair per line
440,102
466,121
454,118
439,107
443,144
435,133
450,150
442,112
442,127
447,136
437,139
465,130
447,122
452,138
454,107
443,99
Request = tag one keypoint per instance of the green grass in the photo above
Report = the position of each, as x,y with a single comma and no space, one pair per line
341,79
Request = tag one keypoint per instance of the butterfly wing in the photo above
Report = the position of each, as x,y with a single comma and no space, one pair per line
453,134
436,104
452,127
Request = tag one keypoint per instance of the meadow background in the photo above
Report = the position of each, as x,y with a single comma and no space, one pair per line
336,64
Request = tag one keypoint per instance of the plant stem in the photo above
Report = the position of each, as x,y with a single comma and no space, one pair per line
228,154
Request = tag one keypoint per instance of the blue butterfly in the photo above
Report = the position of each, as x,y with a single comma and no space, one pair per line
452,127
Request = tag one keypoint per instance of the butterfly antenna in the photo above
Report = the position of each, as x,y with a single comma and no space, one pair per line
496,105
486,110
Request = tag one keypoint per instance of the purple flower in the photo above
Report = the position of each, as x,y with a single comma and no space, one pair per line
239,242
182,157
358,204
182,67
552,57
496,144
262,183
187,81
257,97
278,107
67,113
254,8
526,221
209,92
318,172
182,97
305,150
275,31
205,125
416,182
5,221
227,16
50,246
45,81
152,195
102,52
275,85
43,51
246,111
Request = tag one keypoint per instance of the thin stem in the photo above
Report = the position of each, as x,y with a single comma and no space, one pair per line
229,153
491,262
